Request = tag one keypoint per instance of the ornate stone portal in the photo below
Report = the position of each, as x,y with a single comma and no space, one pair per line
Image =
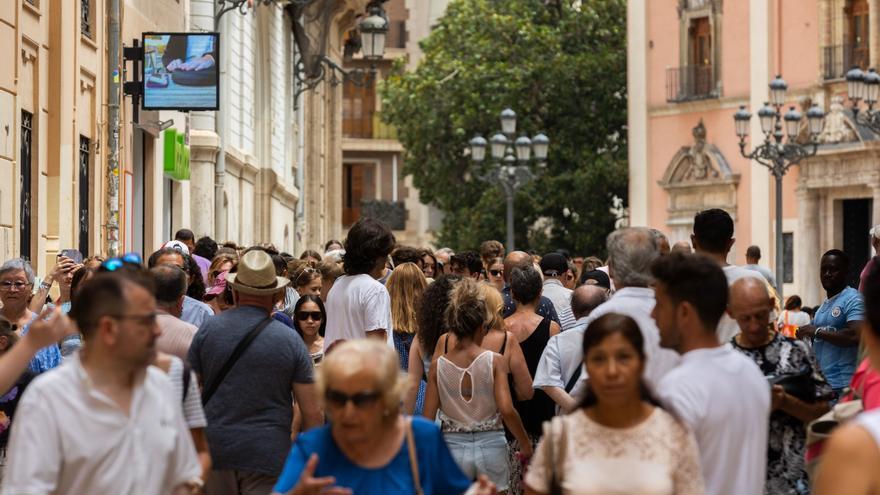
698,177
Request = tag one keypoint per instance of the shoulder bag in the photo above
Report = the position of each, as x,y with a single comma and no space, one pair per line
233,358
413,456
819,430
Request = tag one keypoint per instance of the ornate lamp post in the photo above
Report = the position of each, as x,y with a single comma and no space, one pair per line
511,160
864,86
775,155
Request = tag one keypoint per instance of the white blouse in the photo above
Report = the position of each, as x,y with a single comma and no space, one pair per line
657,457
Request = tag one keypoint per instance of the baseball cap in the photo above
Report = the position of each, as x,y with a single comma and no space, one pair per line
553,264
177,246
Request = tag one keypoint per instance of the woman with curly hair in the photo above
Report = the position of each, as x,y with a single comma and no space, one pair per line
431,327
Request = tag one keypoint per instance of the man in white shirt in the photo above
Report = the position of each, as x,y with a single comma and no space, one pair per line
713,238
559,369
358,306
631,252
105,421
720,394
554,267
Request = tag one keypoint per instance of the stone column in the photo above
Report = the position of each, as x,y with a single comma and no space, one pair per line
204,146
875,205
806,247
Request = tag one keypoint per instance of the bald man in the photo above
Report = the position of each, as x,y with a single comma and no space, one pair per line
519,259
750,305
560,367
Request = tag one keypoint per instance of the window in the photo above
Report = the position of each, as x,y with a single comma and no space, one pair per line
358,108
25,197
845,36
787,258
85,163
697,76
857,22
85,16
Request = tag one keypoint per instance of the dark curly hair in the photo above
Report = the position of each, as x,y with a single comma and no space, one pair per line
196,289
435,300
367,241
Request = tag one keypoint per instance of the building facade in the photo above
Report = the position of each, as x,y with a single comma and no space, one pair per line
691,64
52,127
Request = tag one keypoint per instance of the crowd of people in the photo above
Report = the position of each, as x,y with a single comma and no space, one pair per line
375,367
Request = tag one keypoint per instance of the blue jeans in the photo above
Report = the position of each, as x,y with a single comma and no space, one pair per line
483,452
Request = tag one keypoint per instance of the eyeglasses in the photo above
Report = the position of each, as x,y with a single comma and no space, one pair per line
361,399
305,315
496,273
17,285
114,264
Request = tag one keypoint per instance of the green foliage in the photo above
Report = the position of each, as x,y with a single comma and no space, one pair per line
562,68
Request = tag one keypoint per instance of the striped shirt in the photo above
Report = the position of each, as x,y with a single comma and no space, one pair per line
193,413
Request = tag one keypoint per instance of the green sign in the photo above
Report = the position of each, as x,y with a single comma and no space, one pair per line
176,159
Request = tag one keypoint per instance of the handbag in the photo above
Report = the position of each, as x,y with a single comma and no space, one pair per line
820,429
413,457
233,358
799,384
552,457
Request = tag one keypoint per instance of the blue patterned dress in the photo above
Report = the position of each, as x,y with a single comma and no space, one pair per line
402,343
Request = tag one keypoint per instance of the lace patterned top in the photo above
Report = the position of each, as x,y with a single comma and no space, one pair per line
657,457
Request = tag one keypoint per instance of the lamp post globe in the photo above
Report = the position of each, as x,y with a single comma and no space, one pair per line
373,29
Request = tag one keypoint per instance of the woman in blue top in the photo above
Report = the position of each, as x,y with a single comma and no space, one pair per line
366,448
16,285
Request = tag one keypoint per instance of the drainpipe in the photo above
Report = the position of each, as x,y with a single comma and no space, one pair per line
220,165
114,63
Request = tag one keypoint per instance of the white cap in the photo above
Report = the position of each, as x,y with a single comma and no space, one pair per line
875,231
178,246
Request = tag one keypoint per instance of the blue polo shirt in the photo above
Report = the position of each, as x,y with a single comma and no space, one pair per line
838,363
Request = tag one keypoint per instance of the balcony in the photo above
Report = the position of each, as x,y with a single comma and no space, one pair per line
367,125
838,59
691,82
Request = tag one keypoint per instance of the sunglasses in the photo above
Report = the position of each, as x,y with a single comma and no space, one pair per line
114,264
305,315
496,273
361,399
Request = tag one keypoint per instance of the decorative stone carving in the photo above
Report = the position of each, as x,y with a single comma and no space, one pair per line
838,127
698,162
698,177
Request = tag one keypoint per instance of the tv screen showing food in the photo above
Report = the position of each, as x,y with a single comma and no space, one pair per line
181,71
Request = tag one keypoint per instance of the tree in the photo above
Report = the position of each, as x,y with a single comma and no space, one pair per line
561,65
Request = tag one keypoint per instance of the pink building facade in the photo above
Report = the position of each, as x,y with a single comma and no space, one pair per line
691,64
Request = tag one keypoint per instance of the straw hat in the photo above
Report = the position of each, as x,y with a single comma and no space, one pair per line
256,275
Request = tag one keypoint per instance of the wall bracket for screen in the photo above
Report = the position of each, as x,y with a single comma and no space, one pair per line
134,88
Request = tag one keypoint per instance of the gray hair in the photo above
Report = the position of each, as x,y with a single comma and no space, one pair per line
658,236
631,252
445,250
18,264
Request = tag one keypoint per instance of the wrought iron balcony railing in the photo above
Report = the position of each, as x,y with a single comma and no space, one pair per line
691,82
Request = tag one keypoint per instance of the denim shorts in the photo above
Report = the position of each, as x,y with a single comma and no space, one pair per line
483,452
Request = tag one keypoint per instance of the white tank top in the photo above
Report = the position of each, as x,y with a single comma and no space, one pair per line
870,421
480,413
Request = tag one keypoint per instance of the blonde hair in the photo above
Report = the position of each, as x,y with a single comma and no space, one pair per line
467,311
406,285
217,262
494,307
354,356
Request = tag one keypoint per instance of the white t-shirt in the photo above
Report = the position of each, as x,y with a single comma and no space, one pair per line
724,399
727,327
357,304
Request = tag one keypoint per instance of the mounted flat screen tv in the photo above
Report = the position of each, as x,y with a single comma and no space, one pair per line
181,71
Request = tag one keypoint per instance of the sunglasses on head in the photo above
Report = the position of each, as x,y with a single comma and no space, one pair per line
305,315
360,399
118,262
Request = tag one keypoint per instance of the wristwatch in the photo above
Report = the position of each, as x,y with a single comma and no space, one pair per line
45,285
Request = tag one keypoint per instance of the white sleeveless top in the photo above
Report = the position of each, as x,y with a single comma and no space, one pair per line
870,421
458,414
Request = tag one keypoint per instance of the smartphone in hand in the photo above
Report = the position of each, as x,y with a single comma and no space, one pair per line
73,254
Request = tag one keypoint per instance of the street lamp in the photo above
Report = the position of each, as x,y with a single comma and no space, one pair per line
864,86
775,155
510,161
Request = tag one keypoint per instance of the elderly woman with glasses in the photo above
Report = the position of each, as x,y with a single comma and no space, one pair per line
368,446
16,286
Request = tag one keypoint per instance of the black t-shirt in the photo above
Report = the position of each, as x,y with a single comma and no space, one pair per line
8,404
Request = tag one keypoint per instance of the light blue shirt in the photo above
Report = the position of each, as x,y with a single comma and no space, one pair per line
838,363
195,312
